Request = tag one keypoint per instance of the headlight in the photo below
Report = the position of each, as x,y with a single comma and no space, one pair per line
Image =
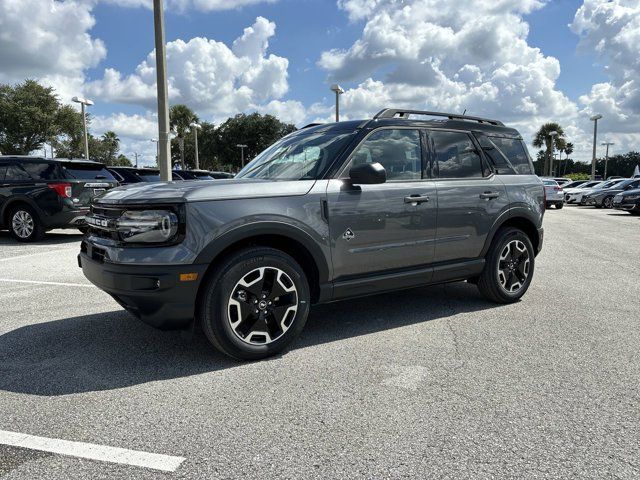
147,226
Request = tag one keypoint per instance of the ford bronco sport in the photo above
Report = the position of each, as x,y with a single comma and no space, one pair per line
328,212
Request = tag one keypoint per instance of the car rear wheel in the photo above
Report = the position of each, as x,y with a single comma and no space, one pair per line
255,304
509,267
607,202
559,205
24,224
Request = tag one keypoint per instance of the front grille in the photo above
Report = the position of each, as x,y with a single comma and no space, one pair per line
108,215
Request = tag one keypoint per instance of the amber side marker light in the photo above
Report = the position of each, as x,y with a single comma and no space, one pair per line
188,277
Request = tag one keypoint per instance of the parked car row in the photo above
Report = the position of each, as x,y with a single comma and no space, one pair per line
621,193
37,194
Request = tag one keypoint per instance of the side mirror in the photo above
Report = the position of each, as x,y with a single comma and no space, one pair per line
368,174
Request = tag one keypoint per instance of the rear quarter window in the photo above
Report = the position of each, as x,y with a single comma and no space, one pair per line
42,170
515,151
87,172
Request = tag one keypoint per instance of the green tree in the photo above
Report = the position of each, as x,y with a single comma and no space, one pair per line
180,117
254,130
568,150
542,139
29,117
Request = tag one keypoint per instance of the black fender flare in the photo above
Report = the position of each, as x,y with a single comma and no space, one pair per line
19,199
210,252
507,215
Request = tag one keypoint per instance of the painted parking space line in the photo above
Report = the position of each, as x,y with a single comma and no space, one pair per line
18,257
34,282
103,453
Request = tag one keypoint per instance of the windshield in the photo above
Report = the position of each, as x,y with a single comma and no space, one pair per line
87,171
297,157
550,183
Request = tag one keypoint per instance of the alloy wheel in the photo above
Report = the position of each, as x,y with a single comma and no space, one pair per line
262,306
23,224
608,202
513,266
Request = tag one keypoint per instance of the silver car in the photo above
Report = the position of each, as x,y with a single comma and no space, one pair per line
554,193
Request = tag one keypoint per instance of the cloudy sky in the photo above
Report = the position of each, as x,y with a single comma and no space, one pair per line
525,62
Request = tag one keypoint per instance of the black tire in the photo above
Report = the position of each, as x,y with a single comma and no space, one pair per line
215,303
607,202
489,282
559,205
24,224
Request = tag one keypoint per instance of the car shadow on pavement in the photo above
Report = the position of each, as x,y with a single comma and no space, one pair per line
112,350
50,238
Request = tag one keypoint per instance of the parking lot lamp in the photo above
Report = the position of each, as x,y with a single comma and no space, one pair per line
196,127
594,119
338,90
606,157
84,102
155,140
241,147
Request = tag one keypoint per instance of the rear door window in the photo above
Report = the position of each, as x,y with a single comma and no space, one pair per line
456,155
15,173
516,153
3,170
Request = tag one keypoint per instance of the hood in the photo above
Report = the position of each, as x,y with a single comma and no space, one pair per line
201,190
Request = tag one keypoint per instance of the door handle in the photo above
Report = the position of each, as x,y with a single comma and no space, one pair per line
489,195
416,198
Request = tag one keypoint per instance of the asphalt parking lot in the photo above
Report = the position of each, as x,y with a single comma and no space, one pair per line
427,383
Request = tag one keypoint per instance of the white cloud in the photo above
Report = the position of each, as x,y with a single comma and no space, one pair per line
207,75
48,41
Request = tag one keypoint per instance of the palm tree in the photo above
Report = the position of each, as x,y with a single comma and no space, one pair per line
543,139
111,144
180,117
568,150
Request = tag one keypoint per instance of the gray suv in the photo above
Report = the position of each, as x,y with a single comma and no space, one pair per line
329,212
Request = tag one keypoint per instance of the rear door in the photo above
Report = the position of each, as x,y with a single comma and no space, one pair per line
470,196
88,180
376,228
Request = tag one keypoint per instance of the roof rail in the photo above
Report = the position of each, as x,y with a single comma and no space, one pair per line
311,125
403,113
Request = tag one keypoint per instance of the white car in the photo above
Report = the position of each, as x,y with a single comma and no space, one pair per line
574,195
579,197
553,193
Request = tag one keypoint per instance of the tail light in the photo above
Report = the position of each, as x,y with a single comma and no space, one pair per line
558,189
62,189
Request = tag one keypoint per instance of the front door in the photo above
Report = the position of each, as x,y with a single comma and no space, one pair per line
377,228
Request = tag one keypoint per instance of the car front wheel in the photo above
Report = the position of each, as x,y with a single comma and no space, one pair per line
24,224
607,202
509,267
255,304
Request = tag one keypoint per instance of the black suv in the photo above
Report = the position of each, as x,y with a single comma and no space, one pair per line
128,175
38,194
326,213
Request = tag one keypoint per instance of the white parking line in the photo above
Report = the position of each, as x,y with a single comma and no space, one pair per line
92,451
11,280
48,252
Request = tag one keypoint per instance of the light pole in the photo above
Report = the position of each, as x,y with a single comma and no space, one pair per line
157,150
135,154
196,127
164,146
338,90
594,119
241,147
606,157
553,134
84,102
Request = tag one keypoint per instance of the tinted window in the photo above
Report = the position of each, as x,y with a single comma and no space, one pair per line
16,173
398,151
456,155
116,175
149,176
86,171
514,150
3,170
42,170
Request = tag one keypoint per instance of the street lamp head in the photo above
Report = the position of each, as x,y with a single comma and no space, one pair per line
239,145
607,143
596,117
83,101
337,89
195,125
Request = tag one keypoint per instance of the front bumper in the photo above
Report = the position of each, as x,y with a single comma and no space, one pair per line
153,293
629,207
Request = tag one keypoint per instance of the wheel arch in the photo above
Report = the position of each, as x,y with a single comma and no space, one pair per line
18,200
286,238
519,220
